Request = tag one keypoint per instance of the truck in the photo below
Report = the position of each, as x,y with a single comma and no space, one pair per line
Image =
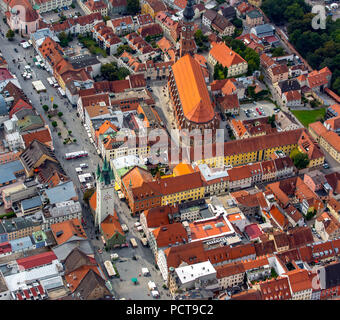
109,268
133,242
79,170
50,82
144,241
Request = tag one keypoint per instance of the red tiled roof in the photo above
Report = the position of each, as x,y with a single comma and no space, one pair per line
36,260
170,234
192,90
229,269
253,231
157,217
43,136
276,289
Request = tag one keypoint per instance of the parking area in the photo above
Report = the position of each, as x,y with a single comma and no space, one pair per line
257,109
52,16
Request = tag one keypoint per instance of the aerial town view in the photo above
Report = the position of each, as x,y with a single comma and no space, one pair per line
169,150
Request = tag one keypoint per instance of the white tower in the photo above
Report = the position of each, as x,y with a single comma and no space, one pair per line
105,190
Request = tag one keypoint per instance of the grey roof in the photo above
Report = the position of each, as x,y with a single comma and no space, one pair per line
329,276
21,243
289,85
2,229
264,28
15,224
254,14
3,285
3,106
33,153
229,12
31,203
82,61
210,14
63,250
61,192
8,170
43,33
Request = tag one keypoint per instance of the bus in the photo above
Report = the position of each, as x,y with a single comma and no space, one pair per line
109,268
133,242
75,155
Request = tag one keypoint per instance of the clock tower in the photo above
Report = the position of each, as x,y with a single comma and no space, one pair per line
187,40
105,192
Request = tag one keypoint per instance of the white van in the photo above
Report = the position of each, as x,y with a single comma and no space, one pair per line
83,165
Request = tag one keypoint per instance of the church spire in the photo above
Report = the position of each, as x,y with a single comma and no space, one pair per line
189,13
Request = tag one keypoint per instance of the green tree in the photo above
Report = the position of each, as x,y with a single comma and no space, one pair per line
271,120
278,52
123,48
73,5
88,194
133,6
237,22
60,114
106,18
10,35
219,72
45,107
54,124
300,159
110,71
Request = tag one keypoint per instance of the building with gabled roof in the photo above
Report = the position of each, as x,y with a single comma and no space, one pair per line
194,108
91,287
222,54
275,289
68,230
230,275
112,231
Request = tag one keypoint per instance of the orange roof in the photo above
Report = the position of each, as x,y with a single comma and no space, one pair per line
69,229
93,201
192,90
229,87
170,234
229,269
255,264
333,139
276,289
75,277
279,217
224,55
156,217
43,136
317,127
111,225
208,228
299,280
105,126
200,59
234,217
182,169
